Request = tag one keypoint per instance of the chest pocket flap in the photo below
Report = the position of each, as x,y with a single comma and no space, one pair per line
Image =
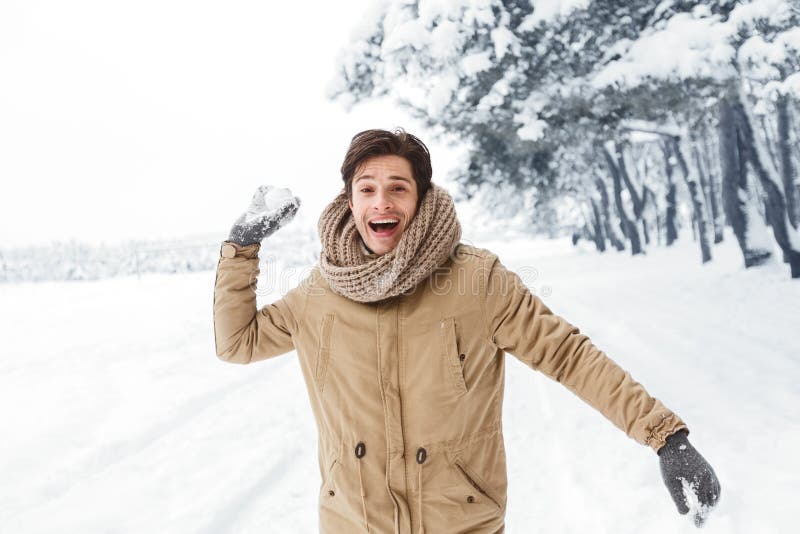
452,358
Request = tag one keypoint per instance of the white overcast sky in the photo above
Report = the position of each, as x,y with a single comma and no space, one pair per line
157,119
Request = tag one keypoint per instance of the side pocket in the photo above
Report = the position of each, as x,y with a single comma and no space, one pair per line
324,353
476,482
329,483
451,355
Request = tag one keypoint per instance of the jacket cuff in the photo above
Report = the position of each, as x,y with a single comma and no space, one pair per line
669,424
234,250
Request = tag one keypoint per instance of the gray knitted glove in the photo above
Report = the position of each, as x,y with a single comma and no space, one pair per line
690,480
270,209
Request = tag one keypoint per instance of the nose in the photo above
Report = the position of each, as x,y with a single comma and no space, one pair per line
383,201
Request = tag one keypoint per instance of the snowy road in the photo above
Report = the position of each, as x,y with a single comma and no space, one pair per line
117,417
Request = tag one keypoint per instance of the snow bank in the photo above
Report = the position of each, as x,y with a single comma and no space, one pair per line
118,417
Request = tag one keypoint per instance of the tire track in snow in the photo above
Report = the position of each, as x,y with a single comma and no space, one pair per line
110,454
230,516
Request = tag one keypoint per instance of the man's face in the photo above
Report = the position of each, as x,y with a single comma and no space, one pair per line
383,201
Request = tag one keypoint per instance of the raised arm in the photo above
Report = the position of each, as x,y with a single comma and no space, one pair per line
242,333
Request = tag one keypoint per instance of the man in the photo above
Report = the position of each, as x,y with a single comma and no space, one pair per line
401,333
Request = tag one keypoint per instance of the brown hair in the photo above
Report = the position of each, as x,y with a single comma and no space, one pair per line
371,143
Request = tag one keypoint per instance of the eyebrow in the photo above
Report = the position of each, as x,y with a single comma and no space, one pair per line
393,177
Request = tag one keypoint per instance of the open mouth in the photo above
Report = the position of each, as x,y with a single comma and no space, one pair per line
384,227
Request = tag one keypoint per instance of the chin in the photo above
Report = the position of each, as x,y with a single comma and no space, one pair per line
381,249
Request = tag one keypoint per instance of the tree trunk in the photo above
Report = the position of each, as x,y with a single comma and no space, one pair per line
713,192
645,233
734,184
639,201
659,229
697,202
631,232
672,205
768,143
636,198
608,226
701,172
599,239
706,187
649,199
760,159
672,212
795,112
785,154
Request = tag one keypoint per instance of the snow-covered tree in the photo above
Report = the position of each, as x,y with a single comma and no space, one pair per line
709,55
533,87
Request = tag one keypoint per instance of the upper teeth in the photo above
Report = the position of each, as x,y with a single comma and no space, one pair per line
380,221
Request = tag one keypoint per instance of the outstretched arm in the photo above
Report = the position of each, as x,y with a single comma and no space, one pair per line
520,323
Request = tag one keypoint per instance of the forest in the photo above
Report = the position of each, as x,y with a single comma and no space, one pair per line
646,115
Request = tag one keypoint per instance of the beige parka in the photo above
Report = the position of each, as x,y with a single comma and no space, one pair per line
407,393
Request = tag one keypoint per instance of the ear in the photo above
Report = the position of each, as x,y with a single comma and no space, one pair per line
350,203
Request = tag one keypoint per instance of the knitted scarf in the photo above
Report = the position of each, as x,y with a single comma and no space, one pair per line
425,245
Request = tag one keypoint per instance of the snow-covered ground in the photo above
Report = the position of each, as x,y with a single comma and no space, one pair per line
117,416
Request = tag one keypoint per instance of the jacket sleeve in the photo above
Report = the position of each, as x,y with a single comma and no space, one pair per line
520,323
243,334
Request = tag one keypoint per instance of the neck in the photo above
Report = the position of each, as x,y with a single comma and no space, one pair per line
364,245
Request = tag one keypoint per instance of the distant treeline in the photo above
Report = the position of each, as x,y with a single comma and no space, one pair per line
74,260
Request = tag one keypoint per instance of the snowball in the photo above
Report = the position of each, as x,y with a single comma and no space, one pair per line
268,201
